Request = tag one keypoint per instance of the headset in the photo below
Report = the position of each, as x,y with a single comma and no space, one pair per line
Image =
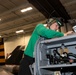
50,21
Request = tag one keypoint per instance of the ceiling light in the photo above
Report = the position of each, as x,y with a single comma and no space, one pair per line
20,31
0,36
0,19
27,9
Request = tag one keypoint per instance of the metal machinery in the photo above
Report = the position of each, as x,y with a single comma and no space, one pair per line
56,56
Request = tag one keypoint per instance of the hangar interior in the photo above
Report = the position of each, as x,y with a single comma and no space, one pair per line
13,19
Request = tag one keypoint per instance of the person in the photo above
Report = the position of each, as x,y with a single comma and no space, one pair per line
49,31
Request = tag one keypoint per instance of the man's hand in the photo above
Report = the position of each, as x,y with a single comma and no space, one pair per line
68,33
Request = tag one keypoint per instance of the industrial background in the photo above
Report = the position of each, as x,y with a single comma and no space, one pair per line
12,19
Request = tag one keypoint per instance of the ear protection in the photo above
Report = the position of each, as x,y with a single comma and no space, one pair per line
53,20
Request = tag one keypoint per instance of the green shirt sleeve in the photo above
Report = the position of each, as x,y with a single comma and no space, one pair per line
47,33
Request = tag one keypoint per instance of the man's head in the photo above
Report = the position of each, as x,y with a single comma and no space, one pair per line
54,23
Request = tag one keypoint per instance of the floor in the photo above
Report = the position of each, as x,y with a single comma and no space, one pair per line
7,70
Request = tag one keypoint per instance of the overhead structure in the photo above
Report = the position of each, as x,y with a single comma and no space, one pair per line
51,8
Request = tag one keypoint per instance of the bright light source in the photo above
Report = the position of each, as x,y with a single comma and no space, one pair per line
27,9
0,36
0,19
20,31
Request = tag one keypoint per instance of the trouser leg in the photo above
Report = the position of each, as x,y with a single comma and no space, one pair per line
24,66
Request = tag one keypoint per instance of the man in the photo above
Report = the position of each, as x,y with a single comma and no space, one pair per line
49,31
